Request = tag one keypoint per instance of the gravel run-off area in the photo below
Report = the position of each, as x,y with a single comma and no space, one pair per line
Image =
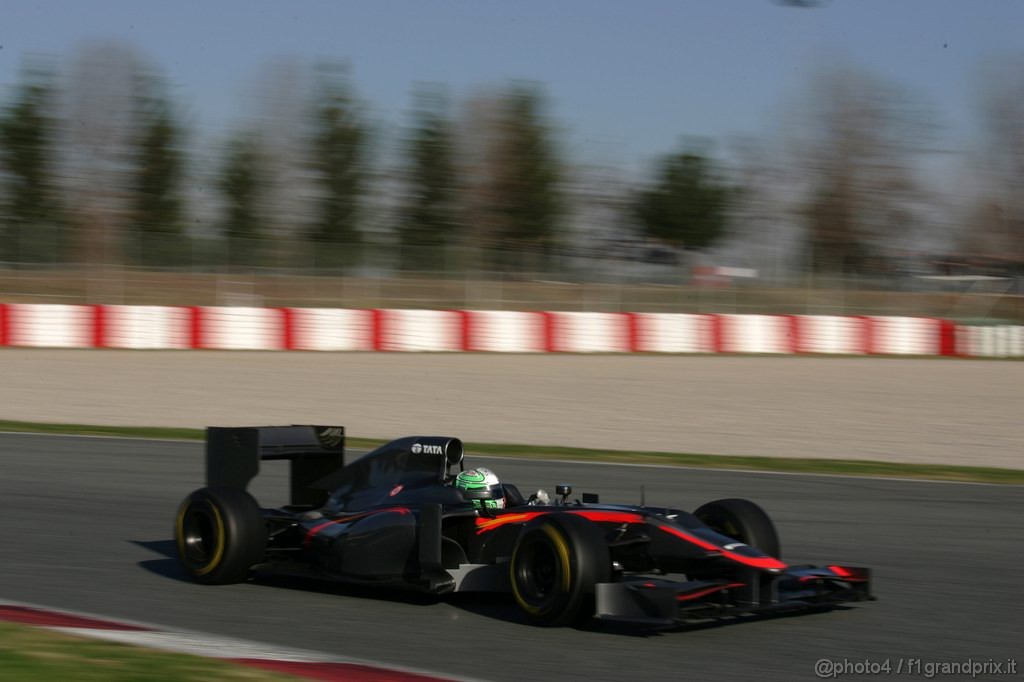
948,411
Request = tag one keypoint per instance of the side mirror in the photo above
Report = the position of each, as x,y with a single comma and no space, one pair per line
564,490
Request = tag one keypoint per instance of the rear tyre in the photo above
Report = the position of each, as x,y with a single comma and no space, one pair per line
220,535
741,520
555,564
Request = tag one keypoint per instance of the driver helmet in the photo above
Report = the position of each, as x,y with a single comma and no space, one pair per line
485,488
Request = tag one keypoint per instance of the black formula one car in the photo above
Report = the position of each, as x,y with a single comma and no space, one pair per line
392,517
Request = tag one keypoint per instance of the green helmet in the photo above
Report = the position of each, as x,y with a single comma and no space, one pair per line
482,487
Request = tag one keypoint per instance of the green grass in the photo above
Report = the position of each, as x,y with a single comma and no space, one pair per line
795,465
94,430
30,654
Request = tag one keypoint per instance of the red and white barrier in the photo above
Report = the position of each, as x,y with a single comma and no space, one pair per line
144,327
329,329
419,330
238,328
49,325
833,334
1000,341
675,333
589,332
756,334
335,329
505,331
905,335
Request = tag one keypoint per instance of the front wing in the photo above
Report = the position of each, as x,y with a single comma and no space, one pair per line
659,601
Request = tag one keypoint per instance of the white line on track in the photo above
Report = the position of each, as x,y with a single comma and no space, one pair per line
99,436
759,472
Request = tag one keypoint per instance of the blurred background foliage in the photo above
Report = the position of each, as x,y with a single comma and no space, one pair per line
101,166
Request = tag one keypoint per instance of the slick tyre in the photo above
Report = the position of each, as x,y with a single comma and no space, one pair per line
556,562
220,535
741,520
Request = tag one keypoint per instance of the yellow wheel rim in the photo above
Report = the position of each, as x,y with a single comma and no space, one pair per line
562,551
218,547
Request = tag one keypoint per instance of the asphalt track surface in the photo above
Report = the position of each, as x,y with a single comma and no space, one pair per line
944,411
86,523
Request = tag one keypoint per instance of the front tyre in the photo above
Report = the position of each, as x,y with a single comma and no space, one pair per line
741,520
220,535
556,563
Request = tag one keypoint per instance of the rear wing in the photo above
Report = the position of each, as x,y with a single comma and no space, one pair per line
233,456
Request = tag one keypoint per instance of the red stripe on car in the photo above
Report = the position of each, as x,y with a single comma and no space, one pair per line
345,519
765,562
706,591
484,525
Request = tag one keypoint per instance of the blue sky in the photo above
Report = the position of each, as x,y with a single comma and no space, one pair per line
627,79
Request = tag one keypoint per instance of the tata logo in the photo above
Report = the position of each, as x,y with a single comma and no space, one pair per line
417,448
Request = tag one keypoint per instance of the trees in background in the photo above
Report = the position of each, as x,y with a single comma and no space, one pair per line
241,183
279,116
1000,229
338,161
858,151
478,125
123,160
510,190
29,215
157,203
495,180
98,151
430,214
526,200
687,204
